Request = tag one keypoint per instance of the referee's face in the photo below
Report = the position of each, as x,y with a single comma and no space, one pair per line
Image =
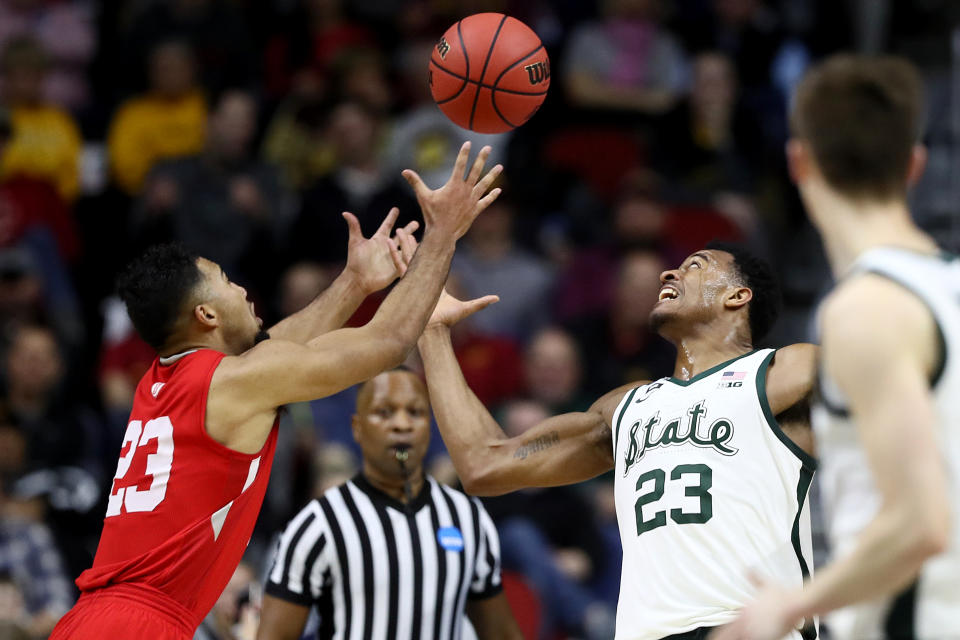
393,413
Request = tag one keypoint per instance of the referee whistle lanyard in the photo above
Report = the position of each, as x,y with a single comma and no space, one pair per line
403,454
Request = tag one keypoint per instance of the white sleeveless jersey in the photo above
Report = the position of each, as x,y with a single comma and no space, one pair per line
930,609
707,488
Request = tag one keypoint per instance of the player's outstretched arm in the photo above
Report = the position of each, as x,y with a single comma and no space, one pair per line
372,264
560,450
277,372
883,367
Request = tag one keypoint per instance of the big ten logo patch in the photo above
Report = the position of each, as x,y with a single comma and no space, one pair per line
731,379
443,47
538,71
450,539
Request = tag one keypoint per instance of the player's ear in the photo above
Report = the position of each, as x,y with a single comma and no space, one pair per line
206,315
739,297
918,162
798,161
355,427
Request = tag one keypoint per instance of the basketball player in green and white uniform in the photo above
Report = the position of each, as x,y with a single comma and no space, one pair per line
887,423
708,485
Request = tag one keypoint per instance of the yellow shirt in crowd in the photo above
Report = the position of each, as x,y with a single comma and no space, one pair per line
46,145
147,129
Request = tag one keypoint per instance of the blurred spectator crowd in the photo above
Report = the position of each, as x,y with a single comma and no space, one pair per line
243,129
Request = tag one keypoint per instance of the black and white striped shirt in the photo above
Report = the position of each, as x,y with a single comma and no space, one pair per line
377,569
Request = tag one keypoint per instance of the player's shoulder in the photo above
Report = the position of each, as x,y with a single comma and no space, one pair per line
798,354
871,321
870,306
607,403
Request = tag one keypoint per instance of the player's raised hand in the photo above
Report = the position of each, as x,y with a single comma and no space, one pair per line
376,261
452,208
449,310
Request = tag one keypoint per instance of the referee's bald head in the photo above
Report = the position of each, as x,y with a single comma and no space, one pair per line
365,394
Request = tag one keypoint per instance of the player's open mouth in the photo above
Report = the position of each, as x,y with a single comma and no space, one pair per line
668,293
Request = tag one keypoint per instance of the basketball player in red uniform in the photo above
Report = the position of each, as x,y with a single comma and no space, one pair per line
197,452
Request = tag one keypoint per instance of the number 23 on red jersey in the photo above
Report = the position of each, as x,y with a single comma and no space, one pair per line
158,467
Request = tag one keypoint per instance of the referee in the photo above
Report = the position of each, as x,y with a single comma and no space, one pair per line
391,554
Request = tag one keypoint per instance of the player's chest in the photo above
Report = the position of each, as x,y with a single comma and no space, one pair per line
665,422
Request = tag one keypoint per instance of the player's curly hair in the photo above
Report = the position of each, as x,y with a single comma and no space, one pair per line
155,286
755,274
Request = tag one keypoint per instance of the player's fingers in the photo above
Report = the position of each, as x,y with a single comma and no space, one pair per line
408,245
460,166
472,306
397,256
488,199
387,225
478,164
481,187
419,188
353,226
411,227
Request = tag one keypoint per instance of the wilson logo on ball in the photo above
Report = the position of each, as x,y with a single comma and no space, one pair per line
443,48
489,73
538,72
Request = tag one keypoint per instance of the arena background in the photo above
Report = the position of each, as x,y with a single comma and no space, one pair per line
244,128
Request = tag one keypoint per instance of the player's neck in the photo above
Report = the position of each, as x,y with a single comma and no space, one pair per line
696,354
851,228
392,484
178,346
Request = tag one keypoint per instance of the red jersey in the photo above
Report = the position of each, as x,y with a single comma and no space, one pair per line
182,506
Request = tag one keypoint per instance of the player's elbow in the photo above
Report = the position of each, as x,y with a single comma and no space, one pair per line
928,529
933,535
392,349
473,481
484,481
393,343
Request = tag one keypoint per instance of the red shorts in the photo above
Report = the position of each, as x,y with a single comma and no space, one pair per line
125,611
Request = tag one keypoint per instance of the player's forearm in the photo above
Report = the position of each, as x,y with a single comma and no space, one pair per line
473,438
405,311
327,312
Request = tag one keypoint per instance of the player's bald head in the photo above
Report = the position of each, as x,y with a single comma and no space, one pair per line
382,382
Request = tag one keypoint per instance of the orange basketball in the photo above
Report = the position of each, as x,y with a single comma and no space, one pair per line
489,73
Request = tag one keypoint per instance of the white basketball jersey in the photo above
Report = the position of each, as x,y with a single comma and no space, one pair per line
930,609
707,488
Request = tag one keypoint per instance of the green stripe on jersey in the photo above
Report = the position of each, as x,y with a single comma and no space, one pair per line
623,410
809,462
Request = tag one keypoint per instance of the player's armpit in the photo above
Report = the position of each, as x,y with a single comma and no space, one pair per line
275,372
281,620
492,619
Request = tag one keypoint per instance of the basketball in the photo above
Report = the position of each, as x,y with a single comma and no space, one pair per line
489,73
